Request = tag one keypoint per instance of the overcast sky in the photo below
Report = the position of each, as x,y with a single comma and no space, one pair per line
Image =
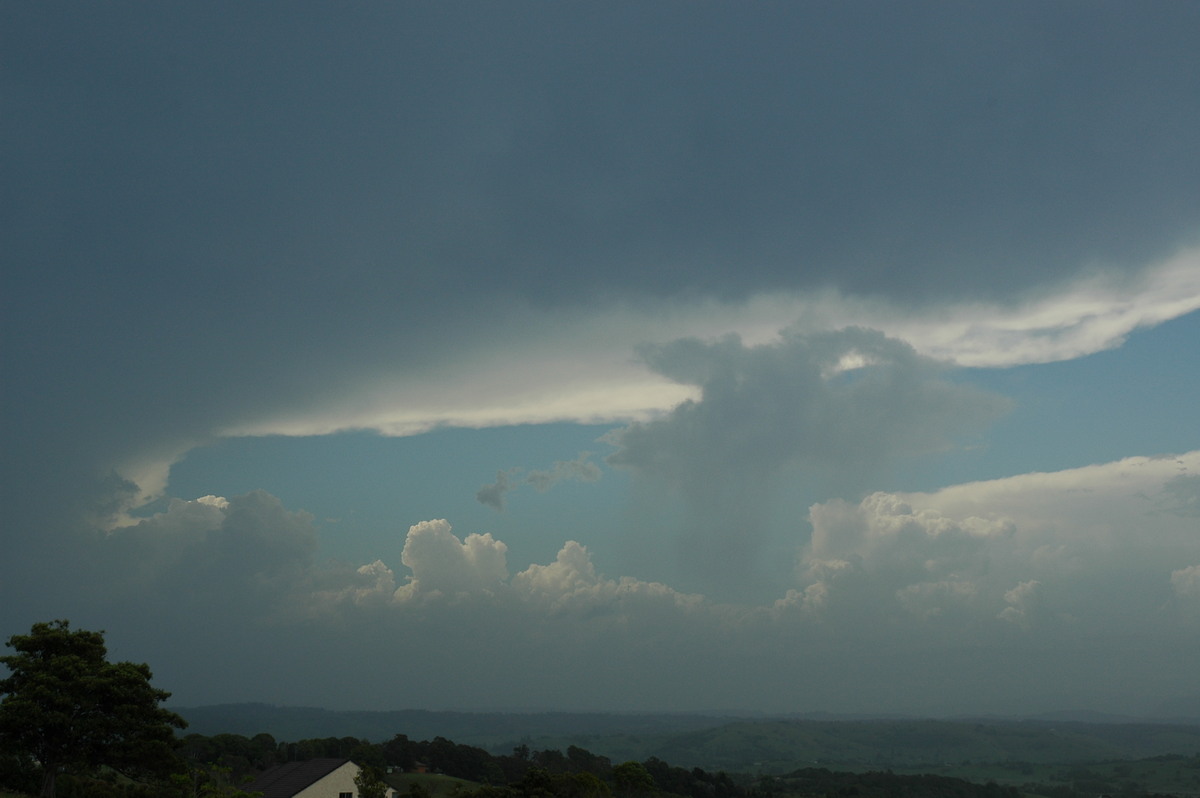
625,356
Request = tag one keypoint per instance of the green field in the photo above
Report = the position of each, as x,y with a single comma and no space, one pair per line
437,785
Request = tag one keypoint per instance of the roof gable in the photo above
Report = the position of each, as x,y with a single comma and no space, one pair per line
284,781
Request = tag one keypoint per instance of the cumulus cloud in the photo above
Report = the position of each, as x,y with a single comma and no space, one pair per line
373,584
570,574
1085,548
881,555
442,565
929,599
837,404
571,584
247,540
580,469
472,571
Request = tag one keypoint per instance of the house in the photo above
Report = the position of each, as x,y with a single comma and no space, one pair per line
315,778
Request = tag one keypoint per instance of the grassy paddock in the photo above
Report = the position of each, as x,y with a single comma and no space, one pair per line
438,785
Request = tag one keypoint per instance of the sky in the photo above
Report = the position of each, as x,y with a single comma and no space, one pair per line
649,356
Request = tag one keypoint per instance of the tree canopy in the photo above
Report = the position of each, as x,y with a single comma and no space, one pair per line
370,783
70,709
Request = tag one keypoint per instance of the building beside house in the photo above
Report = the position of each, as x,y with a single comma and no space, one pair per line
314,778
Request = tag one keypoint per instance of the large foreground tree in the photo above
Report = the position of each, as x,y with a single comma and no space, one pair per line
68,707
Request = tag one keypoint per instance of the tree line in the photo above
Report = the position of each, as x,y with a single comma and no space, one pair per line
74,725
523,773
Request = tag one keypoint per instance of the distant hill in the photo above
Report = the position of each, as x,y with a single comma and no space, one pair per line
484,729
782,745
713,742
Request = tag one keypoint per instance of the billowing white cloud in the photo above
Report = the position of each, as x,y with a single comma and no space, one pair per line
448,571
571,574
444,566
373,584
570,584
1088,548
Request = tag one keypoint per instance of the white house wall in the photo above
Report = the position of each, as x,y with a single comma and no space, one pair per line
336,783
339,781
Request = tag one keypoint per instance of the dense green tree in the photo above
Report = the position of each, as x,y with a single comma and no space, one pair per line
632,780
400,752
370,783
70,709
19,772
367,755
538,783
208,781
581,785
583,761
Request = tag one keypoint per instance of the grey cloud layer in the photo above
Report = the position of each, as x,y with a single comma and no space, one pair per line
712,150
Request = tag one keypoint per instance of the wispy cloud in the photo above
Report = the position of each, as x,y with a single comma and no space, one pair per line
580,469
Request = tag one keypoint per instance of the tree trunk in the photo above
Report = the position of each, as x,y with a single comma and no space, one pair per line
48,780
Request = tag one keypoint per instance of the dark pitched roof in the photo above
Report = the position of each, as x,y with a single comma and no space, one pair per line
284,781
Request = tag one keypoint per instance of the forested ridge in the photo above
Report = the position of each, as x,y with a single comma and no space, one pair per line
749,744
218,765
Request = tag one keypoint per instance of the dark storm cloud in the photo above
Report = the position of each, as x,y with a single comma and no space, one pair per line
200,198
714,148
